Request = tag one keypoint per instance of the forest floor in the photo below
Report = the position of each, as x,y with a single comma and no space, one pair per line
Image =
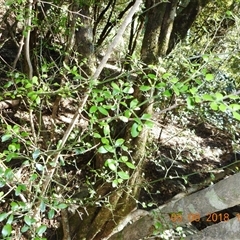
184,156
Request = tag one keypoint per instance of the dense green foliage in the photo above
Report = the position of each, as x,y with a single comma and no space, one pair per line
46,157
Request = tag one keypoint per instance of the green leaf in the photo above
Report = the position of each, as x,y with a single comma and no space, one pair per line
151,76
3,216
103,111
174,80
19,189
236,116
39,167
6,230
35,80
127,113
41,230
134,130
109,148
10,219
97,135
222,107
167,93
115,183
234,97
105,141
51,213
93,109
149,124
123,118
128,90
102,150
14,206
6,137
133,103
115,86
123,159
160,85
24,228
193,91
176,90
209,77
42,206
66,66
190,103
112,164
36,154
38,100
214,106
28,85
198,99
119,142
28,220
184,88
123,175
62,206
218,96
146,116
145,88
234,106
130,165
207,97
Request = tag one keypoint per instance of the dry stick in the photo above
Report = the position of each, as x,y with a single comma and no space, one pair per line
27,54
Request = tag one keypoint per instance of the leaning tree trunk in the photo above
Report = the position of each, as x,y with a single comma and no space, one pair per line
99,222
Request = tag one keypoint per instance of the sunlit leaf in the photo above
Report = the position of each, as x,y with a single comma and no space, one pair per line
209,77
123,175
28,220
145,88
218,96
130,165
62,206
6,230
35,80
115,86
123,118
3,216
234,106
24,228
36,154
6,137
236,116
207,97
149,124
103,111
115,183
133,103
119,142
93,109
51,213
222,107
102,149
41,230
39,167
146,116
134,130
128,90
214,106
